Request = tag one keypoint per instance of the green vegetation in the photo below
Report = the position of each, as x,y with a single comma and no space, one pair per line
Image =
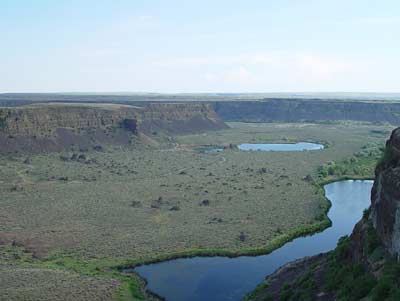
361,165
87,213
259,289
92,279
388,285
338,274
349,280
353,282
375,277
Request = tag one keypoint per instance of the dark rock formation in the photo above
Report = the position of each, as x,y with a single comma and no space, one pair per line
243,108
297,110
130,124
179,118
385,213
54,127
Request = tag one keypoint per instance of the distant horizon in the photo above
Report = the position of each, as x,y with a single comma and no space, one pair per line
216,96
199,93
223,93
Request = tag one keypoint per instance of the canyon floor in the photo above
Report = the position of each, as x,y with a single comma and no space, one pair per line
69,218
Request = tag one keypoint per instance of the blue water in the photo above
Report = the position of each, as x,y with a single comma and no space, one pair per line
227,279
287,147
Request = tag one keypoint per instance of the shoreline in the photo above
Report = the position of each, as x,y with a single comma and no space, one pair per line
272,246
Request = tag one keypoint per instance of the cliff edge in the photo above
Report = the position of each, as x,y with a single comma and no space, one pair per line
385,197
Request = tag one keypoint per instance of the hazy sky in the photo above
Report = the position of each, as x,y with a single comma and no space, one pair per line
199,46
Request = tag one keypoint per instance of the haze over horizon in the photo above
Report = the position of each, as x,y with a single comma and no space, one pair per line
176,47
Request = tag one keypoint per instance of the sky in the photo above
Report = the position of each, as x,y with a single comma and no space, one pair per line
185,46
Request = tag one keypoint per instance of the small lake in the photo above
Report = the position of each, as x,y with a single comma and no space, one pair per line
231,279
285,147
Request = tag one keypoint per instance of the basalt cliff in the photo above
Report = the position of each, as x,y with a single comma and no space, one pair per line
244,108
385,207
365,265
313,110
53,127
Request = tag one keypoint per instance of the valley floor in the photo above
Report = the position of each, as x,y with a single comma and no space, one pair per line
69,219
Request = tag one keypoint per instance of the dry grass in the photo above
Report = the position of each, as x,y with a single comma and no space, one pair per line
18,283
132,204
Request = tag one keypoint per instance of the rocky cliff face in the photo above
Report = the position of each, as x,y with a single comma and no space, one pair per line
53,127
297,110
179,118
43,120
385,207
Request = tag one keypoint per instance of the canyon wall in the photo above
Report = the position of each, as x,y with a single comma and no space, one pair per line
250,108
297,110
53,127
385,197
44,120
179,118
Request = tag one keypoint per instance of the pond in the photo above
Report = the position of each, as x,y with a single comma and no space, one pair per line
231,279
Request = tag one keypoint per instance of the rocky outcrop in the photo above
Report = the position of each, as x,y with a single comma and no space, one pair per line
53,127
44,120
179,118
385,207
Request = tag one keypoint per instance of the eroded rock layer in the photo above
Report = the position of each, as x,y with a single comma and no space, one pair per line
52,127
298,110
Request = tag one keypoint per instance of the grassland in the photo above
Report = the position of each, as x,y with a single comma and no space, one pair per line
36,283
83,213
